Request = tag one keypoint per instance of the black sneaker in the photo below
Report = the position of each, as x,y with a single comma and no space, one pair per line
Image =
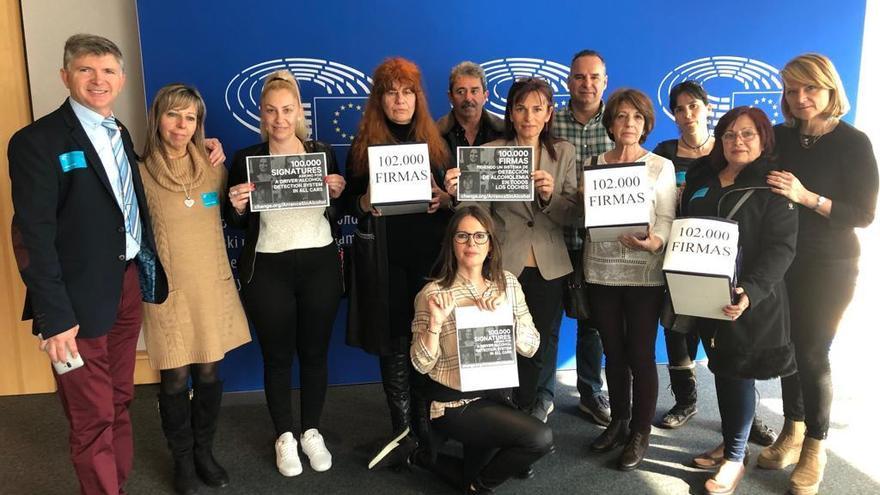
597,408
678,416
542,409
761,434
394,452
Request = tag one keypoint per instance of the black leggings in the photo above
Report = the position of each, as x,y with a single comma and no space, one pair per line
626,317
499,441
292,301
174,380
544,299
819,294
681,348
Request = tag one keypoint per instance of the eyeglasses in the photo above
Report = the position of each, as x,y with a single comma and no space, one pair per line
464,237
746,135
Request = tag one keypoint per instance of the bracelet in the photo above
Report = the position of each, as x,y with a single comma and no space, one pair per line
819,202
433,332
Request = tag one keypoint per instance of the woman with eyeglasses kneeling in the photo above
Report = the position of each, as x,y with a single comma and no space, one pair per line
499,440
755,344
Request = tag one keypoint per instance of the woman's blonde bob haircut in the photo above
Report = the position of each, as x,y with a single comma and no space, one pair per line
816,70
283,79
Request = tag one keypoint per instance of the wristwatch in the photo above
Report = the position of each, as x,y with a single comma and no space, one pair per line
819,202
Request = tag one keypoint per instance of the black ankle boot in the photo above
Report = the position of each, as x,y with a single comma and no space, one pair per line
614,436
634,451
174,410
205,410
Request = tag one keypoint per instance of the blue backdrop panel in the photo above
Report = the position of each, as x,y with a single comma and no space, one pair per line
226,48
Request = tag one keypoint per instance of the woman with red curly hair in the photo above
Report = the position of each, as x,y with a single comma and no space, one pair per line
392,255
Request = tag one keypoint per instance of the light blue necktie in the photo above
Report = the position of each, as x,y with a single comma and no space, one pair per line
129,201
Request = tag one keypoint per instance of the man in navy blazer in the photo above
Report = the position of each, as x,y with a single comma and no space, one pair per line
85,250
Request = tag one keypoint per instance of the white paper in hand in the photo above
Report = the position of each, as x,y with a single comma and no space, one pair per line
486,348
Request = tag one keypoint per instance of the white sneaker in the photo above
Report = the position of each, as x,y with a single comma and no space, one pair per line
313,447
286,457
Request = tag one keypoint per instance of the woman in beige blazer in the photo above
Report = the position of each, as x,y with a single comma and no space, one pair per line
531,232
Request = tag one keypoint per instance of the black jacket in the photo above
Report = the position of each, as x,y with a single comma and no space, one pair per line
68,231
758,344
250,221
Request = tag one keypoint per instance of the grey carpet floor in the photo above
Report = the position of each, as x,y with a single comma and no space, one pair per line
33,450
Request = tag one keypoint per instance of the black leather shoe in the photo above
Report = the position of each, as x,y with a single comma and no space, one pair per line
614,436
761,434
634,451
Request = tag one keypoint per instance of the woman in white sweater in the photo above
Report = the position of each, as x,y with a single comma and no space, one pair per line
625,284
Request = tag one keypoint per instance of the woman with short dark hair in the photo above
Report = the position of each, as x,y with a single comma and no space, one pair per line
755,343
626,287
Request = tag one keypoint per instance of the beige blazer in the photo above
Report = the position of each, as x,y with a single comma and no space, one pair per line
523,225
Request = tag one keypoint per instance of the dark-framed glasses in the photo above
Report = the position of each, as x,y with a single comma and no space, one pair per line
462,237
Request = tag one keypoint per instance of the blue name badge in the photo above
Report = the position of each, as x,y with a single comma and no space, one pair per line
679,177
699,193
72,160
210,199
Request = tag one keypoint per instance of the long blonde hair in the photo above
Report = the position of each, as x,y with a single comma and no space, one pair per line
171,97
283,79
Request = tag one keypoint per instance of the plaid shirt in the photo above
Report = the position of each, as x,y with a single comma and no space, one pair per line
442,366
588,139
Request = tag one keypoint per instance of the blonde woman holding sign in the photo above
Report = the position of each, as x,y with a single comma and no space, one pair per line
625,284
755,343
291,276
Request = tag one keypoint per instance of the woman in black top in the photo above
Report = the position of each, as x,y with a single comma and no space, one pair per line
290,275
393,255
755,344
690,106
830,172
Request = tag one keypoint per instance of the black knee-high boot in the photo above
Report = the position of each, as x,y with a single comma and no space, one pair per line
174,410
395,380
205,410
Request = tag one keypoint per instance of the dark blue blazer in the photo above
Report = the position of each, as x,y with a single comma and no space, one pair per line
68,232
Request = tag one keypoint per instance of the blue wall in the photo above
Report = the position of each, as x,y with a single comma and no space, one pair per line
225,47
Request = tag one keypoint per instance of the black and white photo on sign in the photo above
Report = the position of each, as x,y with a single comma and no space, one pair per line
700,265
486,348
288,181
495,173
616,201
400,178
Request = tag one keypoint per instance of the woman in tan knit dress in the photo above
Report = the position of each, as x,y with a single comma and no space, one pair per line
202,318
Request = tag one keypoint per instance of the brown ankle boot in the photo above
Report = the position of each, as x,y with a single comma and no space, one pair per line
810,468
786,450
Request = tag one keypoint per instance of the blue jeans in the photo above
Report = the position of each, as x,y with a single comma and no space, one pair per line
736,403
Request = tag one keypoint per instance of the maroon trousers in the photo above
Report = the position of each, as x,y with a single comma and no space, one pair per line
96,398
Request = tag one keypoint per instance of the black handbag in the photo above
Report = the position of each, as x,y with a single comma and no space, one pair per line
574,297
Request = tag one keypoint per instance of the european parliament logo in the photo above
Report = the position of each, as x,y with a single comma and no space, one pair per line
501,74
730,82
333,95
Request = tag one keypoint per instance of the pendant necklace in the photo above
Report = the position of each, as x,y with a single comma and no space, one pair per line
695,148
187,188
807,141
188,202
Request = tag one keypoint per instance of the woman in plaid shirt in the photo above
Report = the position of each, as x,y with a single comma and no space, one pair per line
499,440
